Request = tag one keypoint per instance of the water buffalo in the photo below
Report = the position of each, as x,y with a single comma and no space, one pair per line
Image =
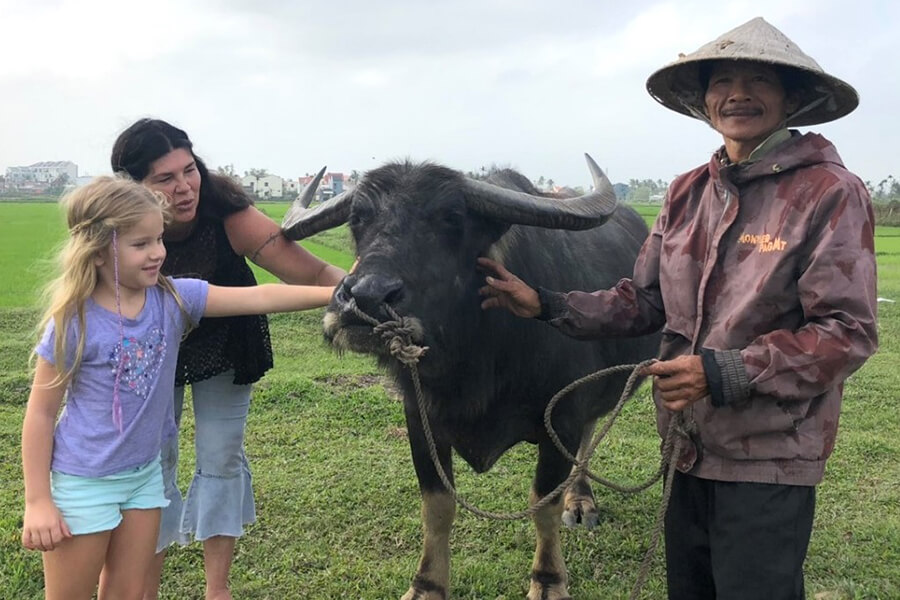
487,376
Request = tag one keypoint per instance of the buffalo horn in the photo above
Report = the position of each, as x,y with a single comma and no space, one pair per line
300,222
582,212
309,192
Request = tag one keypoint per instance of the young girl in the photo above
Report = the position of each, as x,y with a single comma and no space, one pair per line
93,482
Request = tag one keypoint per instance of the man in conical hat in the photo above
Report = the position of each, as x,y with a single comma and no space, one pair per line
760,271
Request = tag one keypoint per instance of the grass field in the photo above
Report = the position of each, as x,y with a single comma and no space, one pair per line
337,501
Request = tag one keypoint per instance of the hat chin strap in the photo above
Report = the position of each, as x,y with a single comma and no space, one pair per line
696,112
814,104
702,116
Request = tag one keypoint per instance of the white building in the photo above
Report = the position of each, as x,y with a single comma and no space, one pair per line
248,182
270,186
44,173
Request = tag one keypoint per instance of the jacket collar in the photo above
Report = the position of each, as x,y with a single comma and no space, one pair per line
778,154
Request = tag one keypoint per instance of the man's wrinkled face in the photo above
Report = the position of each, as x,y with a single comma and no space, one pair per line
746,102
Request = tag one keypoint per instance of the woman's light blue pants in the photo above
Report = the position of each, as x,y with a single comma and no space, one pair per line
220,497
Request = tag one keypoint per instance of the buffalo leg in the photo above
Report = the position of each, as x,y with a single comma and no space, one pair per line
432,579
549,579
580,507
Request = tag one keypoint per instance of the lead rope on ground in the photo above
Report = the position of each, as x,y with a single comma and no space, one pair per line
397,335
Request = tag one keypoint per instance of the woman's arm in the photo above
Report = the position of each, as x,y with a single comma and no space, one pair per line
43,526
256,236
262,299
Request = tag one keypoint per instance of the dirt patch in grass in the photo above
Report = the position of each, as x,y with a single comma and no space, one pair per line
362,381
352,381
397,433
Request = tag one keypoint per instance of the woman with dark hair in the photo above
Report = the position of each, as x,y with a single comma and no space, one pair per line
215,227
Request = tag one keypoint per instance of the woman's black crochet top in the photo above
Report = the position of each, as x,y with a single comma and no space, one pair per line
221,343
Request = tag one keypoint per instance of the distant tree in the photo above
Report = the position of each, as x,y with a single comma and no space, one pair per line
621,190
58,185
540,182
227,170
887,190
645,189
550,183
354,177
639,194
258,173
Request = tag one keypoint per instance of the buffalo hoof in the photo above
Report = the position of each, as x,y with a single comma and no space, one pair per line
581,511
430,593
542,590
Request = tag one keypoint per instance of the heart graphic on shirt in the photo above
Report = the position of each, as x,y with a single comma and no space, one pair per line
141,361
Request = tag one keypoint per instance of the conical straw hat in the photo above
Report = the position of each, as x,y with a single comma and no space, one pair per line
823,97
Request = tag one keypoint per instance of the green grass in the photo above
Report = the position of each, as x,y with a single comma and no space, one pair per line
648,211
31,232
338,504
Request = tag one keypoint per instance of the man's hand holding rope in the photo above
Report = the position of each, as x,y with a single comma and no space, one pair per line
680,381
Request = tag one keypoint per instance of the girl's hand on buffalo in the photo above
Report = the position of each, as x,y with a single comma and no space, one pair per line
505,290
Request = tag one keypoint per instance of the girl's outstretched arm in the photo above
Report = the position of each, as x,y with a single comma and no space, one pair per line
43,525
262,299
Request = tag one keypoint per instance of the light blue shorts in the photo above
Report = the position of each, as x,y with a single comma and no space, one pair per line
92,504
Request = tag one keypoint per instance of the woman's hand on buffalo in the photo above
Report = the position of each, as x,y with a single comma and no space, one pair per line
505,290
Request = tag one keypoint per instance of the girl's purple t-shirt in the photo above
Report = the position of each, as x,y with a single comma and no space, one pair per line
86,441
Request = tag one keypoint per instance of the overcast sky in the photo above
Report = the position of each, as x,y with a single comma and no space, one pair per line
532,84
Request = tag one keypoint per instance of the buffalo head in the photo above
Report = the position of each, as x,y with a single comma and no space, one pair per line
418,229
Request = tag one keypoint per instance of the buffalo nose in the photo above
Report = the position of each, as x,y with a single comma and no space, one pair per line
371,291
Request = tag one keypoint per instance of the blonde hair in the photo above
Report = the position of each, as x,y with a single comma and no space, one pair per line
93,213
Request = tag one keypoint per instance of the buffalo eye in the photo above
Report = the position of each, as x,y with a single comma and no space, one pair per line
356,218
361,212
452,223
